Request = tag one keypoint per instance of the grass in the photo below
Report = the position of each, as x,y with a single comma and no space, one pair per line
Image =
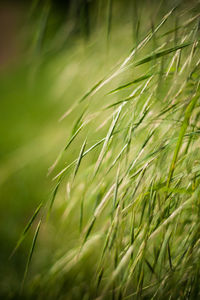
122,221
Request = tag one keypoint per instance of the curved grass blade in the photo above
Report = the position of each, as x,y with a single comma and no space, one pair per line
73,136
79,159
162,53
133,94
31,253
130,83
107,139
91,91
89,229
78,122
26,229
183,129
53,197
66,147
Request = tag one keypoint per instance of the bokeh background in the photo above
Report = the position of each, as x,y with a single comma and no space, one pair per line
51,53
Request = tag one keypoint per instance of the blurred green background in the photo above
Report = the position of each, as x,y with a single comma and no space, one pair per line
46,54
50,55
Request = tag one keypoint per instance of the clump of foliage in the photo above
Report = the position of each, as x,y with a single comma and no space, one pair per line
126,201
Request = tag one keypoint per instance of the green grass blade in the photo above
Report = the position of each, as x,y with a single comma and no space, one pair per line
26,229
31,254
183,129
79,158
107,139
162,53
130,83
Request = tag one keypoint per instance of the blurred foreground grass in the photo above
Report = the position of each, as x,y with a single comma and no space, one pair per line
123,214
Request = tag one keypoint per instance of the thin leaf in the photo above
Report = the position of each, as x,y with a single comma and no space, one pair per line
31,253
109,134
79,159
161,53
26,229
130,83
183,129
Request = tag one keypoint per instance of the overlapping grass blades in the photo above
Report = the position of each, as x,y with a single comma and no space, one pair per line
134,201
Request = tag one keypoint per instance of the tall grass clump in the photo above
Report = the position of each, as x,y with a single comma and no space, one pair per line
123,218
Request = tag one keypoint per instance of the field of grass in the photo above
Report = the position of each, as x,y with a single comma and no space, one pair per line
100,160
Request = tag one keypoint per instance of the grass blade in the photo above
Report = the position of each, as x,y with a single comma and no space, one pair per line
26,229
183,129
107,139
30,254
161,54
79,159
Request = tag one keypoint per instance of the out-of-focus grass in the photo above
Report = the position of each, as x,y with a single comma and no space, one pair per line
35,92
120,218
